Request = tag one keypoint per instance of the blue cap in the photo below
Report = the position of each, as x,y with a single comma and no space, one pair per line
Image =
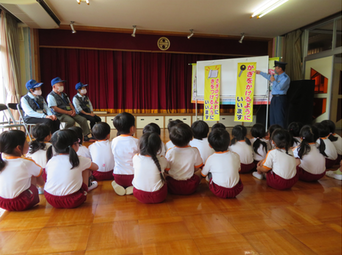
80,85
56,80
33,84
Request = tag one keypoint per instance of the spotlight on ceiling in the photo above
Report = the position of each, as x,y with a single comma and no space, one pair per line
134,30
242,36
192,33
72,27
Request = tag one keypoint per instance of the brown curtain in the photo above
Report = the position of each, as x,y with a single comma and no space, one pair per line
293,55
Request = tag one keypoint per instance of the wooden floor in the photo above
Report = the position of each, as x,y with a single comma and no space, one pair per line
261,220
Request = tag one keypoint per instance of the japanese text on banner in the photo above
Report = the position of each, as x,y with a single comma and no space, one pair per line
245,92
212,93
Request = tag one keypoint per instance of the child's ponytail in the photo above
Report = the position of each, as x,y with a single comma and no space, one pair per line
331,126
39,132
156,161
36,146
49,153
2,163
304,148
257,144
73,157
321,147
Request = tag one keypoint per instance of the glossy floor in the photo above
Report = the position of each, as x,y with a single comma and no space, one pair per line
261,220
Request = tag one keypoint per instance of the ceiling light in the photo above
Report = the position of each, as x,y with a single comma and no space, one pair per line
79,1
72,27
267,7
134,30
242,36
192,33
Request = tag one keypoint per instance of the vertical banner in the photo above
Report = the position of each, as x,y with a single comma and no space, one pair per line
212,86
194,83
245,92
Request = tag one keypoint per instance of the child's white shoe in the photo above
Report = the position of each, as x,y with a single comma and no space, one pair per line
258,176
129,190
93,185
118,189
40,190
332,174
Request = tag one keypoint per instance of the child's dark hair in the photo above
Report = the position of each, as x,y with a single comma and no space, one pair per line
173,123
181,134
323,130
39,132
151,128
9,140
62,141
101,130
200,129
123,123
219,139
150,145
79,133
282,139
331,125
258,132
218,125
294,129
309,135
239,133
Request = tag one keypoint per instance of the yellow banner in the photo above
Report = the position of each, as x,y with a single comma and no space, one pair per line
245,92
212,86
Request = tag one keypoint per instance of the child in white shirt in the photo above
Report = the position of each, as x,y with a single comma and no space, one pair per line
294,130
67,173
335,139
82,150
18,176
312,161
172,123
149,181
259,143
124,147
279,166
222,167
242,146
185,162
200,130
101,152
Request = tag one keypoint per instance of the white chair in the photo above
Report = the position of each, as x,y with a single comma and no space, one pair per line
8,121
20,121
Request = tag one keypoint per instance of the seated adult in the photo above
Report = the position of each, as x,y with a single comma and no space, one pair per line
61,106
35,108
83,105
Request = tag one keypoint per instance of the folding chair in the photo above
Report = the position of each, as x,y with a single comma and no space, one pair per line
20,121
8,120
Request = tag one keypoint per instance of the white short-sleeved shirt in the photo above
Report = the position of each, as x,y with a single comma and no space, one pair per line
183,162
224,167
84,152
40,156
338,144
244,150
162,150
146,174
101,154
61,179
330,149
261,150
169,145
313,162
124,147
15,177
203,147
281,163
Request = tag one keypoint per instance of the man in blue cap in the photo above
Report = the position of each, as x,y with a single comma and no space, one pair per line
280,85
35,108
83,105
61,106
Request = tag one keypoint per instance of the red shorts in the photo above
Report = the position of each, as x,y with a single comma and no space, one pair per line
277,182
223,192
308,177
124,180
179,187
24,201
338,160
247,168
329,163
68,201
102,176
151,197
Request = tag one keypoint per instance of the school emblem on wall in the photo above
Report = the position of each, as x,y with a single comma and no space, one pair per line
163,43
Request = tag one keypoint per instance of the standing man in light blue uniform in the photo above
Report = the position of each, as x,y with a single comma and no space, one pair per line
280,85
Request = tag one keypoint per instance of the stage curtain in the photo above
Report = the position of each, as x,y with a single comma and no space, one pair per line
137,82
